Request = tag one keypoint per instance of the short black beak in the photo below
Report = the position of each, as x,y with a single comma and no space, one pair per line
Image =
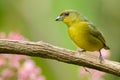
58,18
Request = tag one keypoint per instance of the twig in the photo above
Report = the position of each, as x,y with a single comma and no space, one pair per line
45,50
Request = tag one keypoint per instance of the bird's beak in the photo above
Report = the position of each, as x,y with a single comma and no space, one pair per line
59,18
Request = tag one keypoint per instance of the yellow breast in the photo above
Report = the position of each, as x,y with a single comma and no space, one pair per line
79,33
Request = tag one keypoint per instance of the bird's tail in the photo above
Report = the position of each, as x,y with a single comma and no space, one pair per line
106,47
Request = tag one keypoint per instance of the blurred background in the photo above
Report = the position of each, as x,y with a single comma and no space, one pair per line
35,20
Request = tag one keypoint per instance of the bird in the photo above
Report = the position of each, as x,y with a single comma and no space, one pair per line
83,32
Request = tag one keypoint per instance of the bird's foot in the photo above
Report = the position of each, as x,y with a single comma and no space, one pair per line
81,51
101,57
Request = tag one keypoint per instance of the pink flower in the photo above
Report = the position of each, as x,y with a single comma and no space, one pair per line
1,78
16,36
19,66
15,61
29,70
40,78
95,75
2,62
7,73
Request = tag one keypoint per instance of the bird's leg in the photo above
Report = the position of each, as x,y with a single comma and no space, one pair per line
100,57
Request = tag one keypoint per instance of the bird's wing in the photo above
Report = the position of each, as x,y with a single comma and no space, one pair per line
96,33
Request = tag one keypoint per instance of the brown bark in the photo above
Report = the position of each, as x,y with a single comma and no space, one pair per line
45,50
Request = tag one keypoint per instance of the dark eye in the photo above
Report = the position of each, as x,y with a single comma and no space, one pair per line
66,14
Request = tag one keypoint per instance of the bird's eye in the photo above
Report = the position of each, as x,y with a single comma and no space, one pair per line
66,14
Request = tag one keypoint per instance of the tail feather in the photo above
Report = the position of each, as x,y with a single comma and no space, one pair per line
106,47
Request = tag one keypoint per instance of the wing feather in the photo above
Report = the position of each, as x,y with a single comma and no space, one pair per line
98,35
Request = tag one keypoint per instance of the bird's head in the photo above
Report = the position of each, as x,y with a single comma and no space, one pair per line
69,16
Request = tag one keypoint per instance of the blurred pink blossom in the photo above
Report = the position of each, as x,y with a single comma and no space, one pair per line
1,78
18,66
7,72
30,68
16,36
95,74
2,62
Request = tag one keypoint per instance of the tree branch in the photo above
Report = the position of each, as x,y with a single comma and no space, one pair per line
45,50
